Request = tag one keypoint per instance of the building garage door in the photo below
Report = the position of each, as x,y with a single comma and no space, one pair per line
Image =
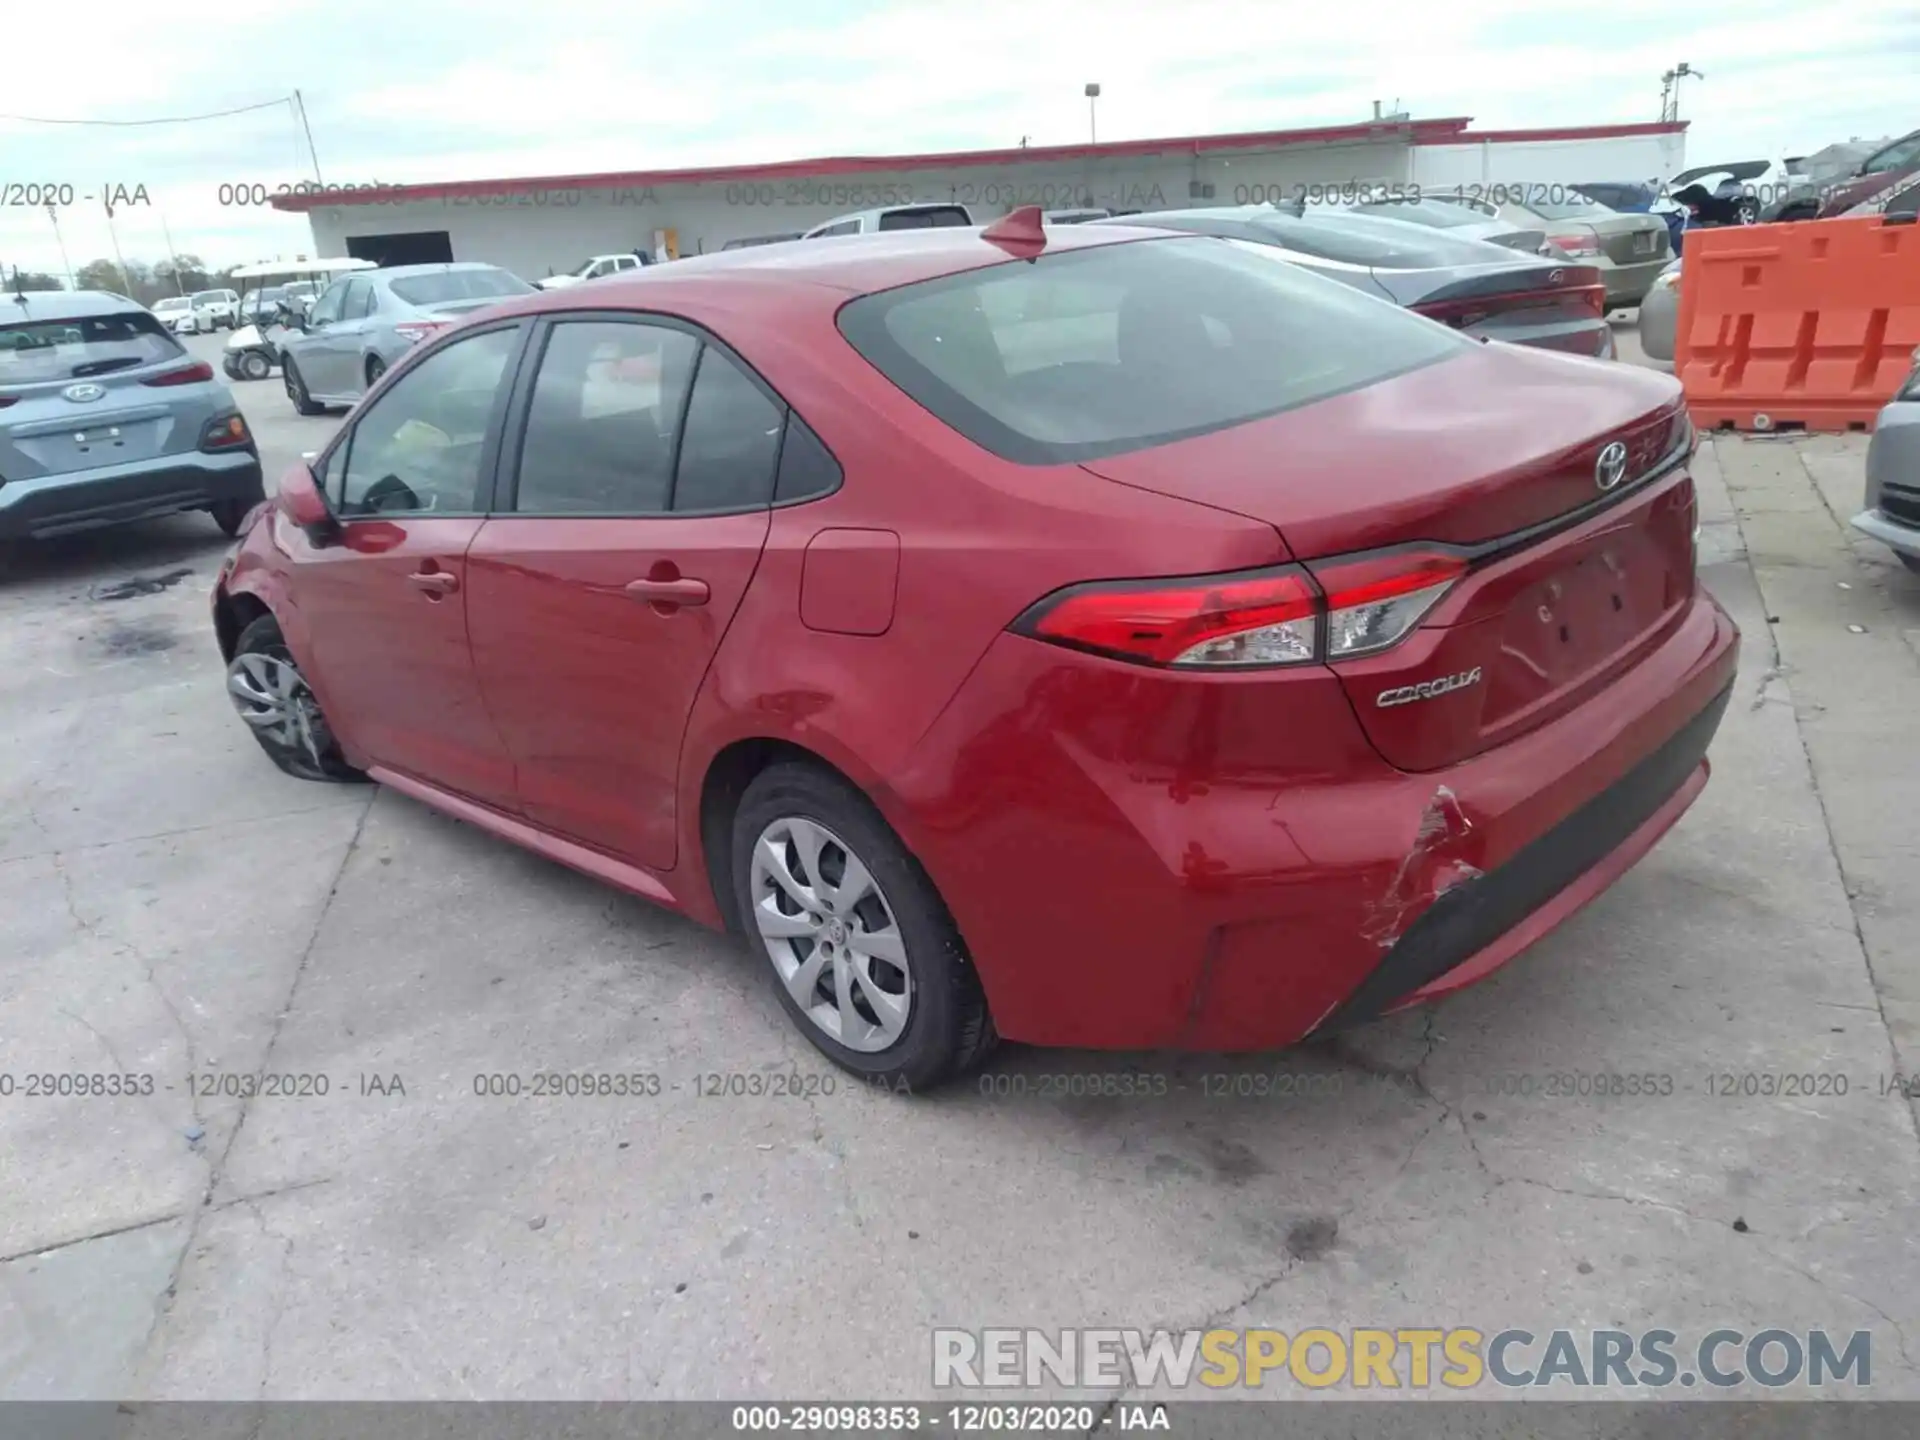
414,247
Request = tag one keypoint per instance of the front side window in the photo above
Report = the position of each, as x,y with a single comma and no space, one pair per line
327,308
1897,156
418,448
600,425
1096,352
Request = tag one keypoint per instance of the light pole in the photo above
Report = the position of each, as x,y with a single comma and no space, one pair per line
53,218
1670,89
1093,99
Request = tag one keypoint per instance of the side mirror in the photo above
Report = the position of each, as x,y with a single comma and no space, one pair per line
301,502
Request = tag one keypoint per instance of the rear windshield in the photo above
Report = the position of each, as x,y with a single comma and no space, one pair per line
1739,170
1101,351
212,297
172,302
1437,213
1379,243
34,351
1575,209
931,217
454,285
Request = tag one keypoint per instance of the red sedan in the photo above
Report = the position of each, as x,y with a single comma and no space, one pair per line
1093,637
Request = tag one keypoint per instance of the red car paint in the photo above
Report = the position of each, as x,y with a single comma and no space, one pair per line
1134,856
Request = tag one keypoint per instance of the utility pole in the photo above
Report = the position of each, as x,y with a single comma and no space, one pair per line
126,280
300,107
173,255
53,217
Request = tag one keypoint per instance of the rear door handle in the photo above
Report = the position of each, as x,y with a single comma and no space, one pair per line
670,592
434,582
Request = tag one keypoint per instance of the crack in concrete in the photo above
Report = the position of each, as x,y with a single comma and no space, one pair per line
54,848
217,1169
279,1297
127,1229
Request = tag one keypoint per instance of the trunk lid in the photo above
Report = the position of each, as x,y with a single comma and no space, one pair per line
1496,454
1631,239
1531,302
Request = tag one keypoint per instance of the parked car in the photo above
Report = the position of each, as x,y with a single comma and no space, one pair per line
104,418
748,241
789,588
176,313
216,309
1488,291
1461,220
894,217
1737,192
1629,250
1660,314
1884,181
594,267
369,319
264,305
1892,514
1075,217
300,295
1628,197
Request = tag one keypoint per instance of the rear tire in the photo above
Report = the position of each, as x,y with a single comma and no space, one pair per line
303,403
228,514
273,697
255,366
857,952
376,367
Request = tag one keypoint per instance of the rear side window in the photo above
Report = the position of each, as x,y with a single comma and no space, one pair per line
35,351
730,441
1101,351
458,285
927,217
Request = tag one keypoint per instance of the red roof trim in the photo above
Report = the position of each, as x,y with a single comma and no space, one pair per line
1429,132
1568,132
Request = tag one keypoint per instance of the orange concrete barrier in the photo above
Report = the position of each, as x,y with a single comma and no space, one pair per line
1810,325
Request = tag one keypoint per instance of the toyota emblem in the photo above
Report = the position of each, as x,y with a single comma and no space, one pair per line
1611,468
82,393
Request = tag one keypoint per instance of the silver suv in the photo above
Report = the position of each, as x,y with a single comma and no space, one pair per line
370,318
104,417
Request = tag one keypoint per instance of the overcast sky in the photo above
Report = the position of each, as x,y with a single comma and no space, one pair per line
409,92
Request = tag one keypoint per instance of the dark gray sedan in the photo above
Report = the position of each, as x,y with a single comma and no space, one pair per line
367,320
1892,515
105,418
1489,291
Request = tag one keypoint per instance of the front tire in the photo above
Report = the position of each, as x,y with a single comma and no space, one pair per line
273,697
255,366
303,403
865,958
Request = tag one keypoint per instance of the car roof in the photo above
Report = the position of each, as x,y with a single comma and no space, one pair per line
62,305
402,272
848,265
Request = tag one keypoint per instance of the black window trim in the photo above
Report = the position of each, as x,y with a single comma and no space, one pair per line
484,491
506,486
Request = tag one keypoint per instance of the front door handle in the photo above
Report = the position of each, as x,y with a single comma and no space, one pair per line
434,582
670,592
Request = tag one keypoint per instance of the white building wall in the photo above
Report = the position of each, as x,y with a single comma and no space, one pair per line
539,233
1549,162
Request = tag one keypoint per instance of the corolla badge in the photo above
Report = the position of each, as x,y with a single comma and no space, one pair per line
1428,689
83,392
1611,468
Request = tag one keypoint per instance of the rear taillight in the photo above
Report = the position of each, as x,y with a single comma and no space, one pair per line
185,375
228,432
6,400
1287,615
1575,244
414,331
1462,313
1374,600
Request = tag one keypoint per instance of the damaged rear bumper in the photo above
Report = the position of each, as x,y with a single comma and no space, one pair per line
1136,860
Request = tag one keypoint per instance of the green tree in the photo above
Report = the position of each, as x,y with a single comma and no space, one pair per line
25,281
103,275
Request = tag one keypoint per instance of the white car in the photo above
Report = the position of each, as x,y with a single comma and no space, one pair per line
593,267
214,309
176,313
894,217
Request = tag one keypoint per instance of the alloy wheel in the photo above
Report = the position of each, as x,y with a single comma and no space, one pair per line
272,696
831,934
